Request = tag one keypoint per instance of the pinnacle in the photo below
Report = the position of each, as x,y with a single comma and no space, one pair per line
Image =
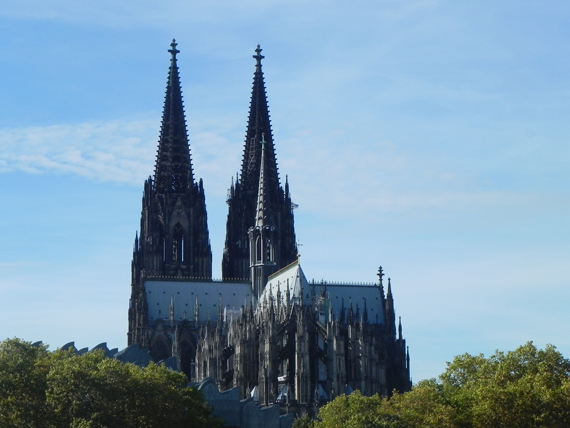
173,49
258,57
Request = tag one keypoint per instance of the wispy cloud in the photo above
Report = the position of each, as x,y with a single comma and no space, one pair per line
329,175
106,151
118,151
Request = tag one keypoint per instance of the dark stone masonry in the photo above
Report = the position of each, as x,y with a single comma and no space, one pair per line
264,333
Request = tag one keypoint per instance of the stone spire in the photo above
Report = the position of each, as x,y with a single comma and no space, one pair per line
173,168
263,210
263,236
258,124
390,312
243,195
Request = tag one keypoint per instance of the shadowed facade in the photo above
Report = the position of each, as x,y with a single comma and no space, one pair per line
263,328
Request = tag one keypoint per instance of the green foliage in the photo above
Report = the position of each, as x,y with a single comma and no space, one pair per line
23,370
524,388
304,421
351,411
63,389
527,387
421,407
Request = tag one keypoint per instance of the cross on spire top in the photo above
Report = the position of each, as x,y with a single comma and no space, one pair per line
173,49
380,274
258,56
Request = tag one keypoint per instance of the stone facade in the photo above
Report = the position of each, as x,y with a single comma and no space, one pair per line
263,330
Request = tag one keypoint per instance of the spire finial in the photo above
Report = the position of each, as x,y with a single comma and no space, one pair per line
380,274
173,49
258,56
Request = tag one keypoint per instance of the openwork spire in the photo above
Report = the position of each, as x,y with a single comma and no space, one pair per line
258,124
173,169
243,199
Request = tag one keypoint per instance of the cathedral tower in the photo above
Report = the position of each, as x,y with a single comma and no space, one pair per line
174,239
243,195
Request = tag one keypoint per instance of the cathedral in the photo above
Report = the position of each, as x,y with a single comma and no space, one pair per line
263,328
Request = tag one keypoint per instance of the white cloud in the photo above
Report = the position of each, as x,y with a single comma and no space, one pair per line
118,151
331,175
106,151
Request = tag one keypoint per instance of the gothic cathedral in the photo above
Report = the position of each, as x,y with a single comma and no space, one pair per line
263,328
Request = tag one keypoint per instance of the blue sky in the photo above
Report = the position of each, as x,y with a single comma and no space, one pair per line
429,137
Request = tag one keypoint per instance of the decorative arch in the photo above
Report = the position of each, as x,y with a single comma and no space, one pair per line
160,348
258,249
186,357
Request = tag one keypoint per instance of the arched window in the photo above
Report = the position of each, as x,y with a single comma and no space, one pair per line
178,243
258,249
186,358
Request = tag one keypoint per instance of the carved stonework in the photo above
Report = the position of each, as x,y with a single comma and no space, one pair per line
286,340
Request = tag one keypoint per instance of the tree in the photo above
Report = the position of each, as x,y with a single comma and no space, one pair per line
423,406
351,411
64,389
527,387
304,421
23,371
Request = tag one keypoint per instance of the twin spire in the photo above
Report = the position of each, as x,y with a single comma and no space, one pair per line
173,169
177,192
259,124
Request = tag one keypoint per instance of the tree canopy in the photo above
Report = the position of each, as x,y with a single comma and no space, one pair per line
43,389
527,387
